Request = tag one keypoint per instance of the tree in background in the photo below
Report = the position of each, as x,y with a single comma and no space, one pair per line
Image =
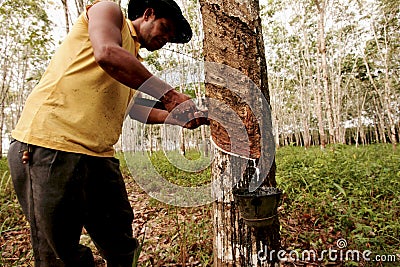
25,46
333,71
381,59
72,9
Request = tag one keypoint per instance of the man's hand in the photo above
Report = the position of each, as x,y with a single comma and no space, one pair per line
180,106
192,124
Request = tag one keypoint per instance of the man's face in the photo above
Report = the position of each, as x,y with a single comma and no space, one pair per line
155,33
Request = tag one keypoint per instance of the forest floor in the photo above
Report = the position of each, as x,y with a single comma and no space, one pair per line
172,236
343,195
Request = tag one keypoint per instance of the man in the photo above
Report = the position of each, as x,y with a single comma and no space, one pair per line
61,160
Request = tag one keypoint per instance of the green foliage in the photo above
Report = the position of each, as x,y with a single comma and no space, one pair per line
163,166
137,253
153,59
342,192
5,179
178,176
28,24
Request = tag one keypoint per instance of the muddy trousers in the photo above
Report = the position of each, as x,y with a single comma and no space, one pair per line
60,193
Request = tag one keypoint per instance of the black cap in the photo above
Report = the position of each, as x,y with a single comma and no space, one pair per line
163,8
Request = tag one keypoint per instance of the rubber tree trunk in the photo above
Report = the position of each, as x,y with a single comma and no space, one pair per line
233,37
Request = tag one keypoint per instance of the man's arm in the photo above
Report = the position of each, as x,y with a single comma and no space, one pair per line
150,115
105,23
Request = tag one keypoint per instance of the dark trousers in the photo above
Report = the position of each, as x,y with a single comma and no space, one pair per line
60,193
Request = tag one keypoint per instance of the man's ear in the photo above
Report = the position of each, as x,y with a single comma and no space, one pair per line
148,13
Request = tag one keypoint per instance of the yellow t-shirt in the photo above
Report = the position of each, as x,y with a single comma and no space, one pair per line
77,107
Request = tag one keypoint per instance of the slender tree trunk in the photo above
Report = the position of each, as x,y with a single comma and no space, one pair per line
308,81
66,14
378,104
182,147
80,6
388,93
321,6
150,135
277,110
233,37
4,92
319,108
1,130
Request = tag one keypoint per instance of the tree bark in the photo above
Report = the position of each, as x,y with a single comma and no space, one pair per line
233,37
